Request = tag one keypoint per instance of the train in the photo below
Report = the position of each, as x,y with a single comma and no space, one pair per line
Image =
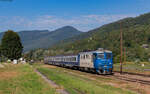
99,61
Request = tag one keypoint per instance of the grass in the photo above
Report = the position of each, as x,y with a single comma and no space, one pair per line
21,79
79,85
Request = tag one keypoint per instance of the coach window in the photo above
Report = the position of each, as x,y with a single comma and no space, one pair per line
84,56
75,59
70,59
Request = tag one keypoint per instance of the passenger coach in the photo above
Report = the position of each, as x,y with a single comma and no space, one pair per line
99,61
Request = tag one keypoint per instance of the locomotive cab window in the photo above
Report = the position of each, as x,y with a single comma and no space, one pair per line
108,55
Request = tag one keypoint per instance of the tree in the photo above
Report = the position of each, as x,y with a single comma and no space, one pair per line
11,45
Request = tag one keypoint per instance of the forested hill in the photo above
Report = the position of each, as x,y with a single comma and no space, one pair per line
136,32
44,38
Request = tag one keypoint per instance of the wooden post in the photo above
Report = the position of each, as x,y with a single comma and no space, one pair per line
120,49
124,55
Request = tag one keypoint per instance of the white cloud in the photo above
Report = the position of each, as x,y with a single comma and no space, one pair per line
84,23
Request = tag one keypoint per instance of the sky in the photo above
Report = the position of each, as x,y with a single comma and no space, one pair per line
84,15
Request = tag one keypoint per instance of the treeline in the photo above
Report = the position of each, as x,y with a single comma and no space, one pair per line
11,47
136,33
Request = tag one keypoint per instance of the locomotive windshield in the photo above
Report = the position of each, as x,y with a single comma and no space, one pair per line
101,56
108,55
104,56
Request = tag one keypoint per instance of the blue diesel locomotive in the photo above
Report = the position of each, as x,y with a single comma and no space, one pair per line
99,61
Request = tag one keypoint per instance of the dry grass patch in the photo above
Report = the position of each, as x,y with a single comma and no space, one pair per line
8,75
48,66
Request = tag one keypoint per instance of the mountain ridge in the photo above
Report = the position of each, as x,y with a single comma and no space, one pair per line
136,32
33,39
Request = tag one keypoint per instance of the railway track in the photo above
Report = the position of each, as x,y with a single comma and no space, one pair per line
131,73
124,78
129,79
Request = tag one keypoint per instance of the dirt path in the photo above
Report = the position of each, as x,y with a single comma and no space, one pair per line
54,85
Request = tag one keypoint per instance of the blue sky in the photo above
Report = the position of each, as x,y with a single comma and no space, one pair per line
51,14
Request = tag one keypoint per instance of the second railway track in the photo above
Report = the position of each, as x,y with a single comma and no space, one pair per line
131,73
130,79
126,76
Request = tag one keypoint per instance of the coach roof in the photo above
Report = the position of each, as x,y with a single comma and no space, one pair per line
90,52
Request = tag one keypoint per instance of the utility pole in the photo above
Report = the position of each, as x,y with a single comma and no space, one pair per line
124,54
121,49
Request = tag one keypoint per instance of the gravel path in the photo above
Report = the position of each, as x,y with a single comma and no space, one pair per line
54,85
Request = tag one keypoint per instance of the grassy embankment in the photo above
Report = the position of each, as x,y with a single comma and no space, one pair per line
134,67
76,84
21,79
